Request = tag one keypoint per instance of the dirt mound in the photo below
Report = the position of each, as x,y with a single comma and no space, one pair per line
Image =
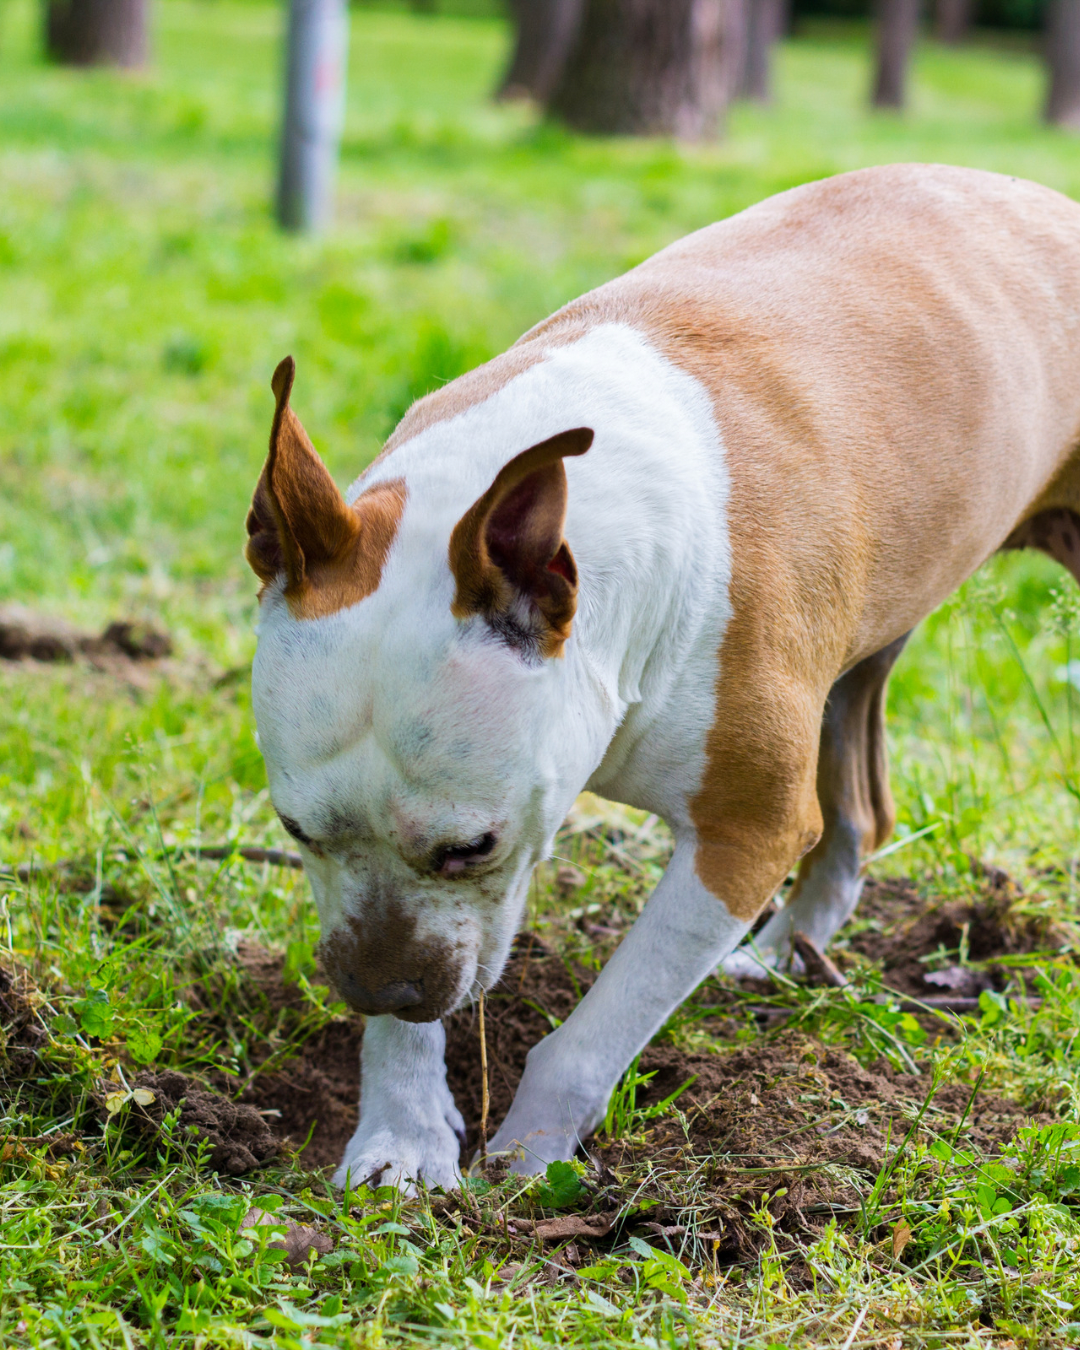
789,1101
28,636
239,1137
919,944
23,1032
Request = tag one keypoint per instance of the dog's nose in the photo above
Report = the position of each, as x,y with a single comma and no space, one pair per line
391,998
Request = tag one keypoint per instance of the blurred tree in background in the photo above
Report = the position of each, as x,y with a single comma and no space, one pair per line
97,32
1063,58
765,21
897,28
546,30
649,67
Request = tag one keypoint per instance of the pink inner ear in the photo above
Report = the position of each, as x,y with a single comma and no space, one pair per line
562,565
515,509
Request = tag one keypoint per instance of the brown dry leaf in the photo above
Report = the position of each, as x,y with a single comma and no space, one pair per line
297,1240
568,1226
901,1236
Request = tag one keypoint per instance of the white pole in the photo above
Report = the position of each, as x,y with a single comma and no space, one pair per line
318,45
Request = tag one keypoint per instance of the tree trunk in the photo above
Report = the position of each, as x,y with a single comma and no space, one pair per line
96,32
1063,60
953,20
765,22
546,31
897,23
650,68
315,67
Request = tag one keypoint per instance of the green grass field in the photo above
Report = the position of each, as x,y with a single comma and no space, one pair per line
145,298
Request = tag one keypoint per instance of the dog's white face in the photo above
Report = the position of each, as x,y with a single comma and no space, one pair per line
423,738
423,775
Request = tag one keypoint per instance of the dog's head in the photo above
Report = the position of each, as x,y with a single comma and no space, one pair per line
414,709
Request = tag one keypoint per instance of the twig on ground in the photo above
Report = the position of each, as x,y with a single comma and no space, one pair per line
819,969
275,857
484,1101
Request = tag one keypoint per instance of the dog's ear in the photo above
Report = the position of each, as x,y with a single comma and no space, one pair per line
299,525
508,555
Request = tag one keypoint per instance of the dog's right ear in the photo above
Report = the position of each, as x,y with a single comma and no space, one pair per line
330,554
510,561
298,517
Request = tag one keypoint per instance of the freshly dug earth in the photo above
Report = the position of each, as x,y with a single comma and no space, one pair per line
28,636
896,928
239,1138
840,1111
758,1111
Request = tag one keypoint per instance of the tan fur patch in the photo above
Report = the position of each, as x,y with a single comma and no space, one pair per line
894,365
299,525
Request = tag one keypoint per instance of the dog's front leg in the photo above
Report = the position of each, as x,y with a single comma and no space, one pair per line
682,934
410,1130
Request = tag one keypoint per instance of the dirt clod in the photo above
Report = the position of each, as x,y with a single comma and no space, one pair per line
917,943
239,1138
28,636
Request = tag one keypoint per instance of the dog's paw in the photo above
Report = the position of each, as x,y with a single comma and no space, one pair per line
529,1151
427,1152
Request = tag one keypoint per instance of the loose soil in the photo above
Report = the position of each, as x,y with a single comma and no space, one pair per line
786,1113
238,1137
28,636
917,943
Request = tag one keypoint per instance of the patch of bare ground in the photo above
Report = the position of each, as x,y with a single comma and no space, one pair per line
23,1030
785,1121
27,636
924,948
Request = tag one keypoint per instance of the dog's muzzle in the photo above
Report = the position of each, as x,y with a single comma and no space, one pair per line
380,968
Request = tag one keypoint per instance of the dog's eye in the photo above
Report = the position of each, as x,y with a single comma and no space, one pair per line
297,833
452,861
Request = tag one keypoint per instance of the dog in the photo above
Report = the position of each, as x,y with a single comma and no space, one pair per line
666,548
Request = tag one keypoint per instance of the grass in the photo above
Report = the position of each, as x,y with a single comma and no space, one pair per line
146,299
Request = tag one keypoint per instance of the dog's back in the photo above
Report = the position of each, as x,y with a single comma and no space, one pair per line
894,361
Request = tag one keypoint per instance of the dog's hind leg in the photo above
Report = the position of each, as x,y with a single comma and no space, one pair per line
857,810
1055,531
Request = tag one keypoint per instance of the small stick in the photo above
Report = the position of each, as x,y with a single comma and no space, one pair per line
483,1086
275,857
819,969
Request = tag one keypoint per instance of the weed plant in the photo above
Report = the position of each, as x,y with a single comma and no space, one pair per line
146,297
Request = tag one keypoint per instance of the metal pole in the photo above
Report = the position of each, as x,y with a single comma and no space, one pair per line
314,112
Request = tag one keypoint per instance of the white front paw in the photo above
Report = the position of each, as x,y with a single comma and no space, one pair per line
405,1153
559,1102
529,1150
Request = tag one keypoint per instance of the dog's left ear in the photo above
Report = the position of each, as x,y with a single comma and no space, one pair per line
508,555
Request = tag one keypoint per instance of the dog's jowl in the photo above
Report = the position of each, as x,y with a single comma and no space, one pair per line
667,548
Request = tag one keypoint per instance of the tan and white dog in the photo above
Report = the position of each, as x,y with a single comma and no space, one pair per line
667,548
